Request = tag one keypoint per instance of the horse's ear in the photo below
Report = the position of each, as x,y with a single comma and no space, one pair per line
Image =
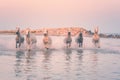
17,28
96,30
45,32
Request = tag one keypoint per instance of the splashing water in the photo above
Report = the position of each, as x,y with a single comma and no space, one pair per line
59,63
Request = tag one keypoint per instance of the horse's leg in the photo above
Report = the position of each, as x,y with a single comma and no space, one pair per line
29,47
95,44
69,45
98,45
19,44
46,46
16,44
79,44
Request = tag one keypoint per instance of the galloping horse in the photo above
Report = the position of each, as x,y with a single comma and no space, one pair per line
47,40
19,38
30,39
79,40
68,40
96,38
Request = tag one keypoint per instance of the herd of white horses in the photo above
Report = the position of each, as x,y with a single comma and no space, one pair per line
47,41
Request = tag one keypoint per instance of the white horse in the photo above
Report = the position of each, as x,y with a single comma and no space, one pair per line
96,39
19,38
68,40
30,39
47,40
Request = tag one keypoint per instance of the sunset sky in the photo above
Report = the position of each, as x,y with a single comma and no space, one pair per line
61,13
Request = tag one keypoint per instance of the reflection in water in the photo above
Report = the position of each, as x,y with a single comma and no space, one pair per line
68,63
30,65
79,53
47,64
80,50
86,64
94,56
93,65
18,65
25,65
68,54
46,54
19,54
79,64
29,55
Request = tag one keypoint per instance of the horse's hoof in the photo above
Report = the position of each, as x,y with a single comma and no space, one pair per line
98,46
29,49
46,48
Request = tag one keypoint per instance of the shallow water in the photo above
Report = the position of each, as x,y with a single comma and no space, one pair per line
60,63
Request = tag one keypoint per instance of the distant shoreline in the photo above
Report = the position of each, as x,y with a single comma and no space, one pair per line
61,32
52,31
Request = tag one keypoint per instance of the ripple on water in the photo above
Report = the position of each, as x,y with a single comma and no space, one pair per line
60,64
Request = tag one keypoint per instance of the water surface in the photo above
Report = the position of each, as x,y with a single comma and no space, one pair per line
60,63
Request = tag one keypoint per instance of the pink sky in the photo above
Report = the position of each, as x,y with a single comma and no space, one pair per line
60,13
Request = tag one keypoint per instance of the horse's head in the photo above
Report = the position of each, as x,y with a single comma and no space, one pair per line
27,32
18,28
69,33
96,30
45,33
18,31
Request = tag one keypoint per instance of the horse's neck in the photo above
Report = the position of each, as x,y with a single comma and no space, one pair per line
18,34
28,35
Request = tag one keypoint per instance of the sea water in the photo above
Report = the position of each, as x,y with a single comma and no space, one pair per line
59,63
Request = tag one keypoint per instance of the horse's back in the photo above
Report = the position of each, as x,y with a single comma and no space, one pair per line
19,39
